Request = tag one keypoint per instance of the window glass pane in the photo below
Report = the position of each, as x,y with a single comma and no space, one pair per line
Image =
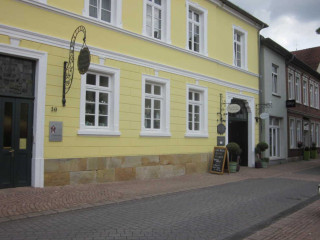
196,47
103,121
156,114
196,109
148,103
103,109
23,123
157,90
148,88
190,108
190,95
196,17
103,97
157,2
90,96
190,14
156,124
196,126
90,108
196,117
196,96
93,12
104,81
190,117
7,124
157,104
147,113
190,126
89,121
106,4
105,16
91,79
147,123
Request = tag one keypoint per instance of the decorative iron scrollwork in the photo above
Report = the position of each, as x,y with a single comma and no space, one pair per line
83,62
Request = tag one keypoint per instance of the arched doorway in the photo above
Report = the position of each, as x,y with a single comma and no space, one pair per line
238,129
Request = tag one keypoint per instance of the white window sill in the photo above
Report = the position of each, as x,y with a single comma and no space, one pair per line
196,135
98,132
154,134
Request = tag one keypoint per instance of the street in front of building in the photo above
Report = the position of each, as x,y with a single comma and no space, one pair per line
229,211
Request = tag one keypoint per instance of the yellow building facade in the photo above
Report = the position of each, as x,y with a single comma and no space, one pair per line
148,105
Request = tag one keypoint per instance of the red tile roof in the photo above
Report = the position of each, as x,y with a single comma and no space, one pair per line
310,56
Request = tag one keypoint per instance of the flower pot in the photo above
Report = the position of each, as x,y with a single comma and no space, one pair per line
233,167
264,164
258,164
313,154
306,155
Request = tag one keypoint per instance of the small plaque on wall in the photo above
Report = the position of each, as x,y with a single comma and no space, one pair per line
221,141
55,131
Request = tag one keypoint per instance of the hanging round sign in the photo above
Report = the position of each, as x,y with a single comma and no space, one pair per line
221,129
233,108
84,60
264,115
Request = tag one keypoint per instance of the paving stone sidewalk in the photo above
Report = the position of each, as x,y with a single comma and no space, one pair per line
28,202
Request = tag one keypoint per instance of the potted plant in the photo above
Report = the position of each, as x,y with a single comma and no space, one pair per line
313,151
260,148
233,149
264,162
306,154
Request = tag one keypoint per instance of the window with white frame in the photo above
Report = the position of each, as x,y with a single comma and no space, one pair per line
290,85
311,95
299,130
197,111
239,47
275,137
316,96
196,28
292,133
312,133
317,135
155,117
298,87
108,11
305,91
275,79
156,20
99,101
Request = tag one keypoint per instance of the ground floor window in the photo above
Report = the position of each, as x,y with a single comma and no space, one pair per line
292,133
274,137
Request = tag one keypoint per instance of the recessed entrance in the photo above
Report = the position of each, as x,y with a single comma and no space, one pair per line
16,120
238,129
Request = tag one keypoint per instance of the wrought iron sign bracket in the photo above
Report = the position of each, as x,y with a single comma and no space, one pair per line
83,62
261,108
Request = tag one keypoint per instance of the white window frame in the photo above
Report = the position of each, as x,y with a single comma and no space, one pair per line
317,133
114,77
298,87
305,91
164,131
299,131
274,74
203,103
311,94
275,137
203,14
316,96
290,85
292,138
244,49
312,133
116,13
165,23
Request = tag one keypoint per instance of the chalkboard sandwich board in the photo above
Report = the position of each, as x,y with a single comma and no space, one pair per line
219,160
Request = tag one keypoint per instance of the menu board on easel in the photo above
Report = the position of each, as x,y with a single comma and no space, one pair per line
220,160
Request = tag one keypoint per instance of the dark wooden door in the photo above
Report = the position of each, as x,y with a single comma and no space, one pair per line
16,121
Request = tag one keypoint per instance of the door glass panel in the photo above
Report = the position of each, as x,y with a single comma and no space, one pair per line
16,77
7,124
23,126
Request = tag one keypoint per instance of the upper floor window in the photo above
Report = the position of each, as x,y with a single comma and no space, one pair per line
298,87
156,20
99,101
305,91
239,48
155,118
316,96
197,111
275,79
108,11
196,28
290,86
311,89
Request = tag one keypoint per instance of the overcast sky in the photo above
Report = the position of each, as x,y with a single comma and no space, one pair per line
292,23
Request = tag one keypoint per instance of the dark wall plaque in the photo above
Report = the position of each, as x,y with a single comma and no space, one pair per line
84,60
290,103
221,141
219,160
